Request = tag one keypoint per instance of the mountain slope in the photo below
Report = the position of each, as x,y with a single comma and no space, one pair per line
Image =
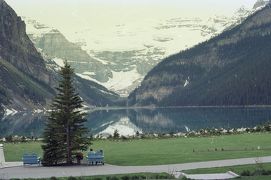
230,69
51,42
28,80
24,78
95,94
120,56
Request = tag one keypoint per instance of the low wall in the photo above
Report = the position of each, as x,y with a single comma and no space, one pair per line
2,156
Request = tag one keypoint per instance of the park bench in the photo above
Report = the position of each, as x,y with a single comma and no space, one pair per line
31,159
96,157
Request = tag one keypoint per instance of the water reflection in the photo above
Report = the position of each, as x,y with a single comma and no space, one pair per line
129,121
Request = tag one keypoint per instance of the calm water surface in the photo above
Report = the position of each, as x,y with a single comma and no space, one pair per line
128,121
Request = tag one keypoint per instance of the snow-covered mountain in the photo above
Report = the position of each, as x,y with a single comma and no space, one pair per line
261,3
120,61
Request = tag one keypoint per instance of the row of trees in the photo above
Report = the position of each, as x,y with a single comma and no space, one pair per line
65,134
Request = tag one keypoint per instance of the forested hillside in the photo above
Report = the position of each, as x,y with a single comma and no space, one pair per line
230,69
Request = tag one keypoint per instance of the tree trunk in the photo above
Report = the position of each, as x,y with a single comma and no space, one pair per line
69,157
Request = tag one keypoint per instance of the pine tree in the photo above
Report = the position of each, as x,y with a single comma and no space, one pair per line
65,133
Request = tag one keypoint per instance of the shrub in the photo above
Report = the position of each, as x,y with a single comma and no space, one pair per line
116,134
97,178
79,156
112,178
137,177
125,178
72,178
246,173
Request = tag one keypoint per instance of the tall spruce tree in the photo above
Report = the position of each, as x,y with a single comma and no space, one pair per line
65,133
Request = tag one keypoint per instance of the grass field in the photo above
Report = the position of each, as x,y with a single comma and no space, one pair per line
256,178
167,151
137,176
236,169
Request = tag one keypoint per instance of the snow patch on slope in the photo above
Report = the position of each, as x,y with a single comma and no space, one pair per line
59,61
9,112
186,83
35,28
118,82
124,127
122,79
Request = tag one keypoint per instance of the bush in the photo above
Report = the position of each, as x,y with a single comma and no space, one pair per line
124,138
161,176
116,134
9,138
266,172
79,156
246,173
137,177
125,178
97,178
72,178
112,178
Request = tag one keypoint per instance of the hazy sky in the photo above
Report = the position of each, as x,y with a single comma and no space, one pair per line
102,18
38,7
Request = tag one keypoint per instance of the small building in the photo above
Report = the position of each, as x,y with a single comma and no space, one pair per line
217,176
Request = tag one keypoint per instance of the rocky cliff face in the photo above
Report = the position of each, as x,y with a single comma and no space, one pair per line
16,48
57,47
27,80
230,69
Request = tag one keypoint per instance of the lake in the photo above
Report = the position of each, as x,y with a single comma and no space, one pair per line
160,120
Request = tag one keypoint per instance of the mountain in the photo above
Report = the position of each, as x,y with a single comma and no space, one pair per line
260,3
136,50
119,61
232,68
55,45
55,48
25,81
28,79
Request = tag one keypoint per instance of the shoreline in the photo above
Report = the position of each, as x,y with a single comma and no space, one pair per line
175,107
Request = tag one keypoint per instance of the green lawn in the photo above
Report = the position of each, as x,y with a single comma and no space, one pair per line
236,169
167,151
256,178
137,176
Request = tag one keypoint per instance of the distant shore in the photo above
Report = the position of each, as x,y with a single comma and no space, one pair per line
173,107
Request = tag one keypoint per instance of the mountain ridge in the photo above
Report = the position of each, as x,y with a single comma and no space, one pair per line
108,65
195,76
27,79
24,79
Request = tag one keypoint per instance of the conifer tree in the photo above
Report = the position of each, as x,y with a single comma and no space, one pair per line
65,133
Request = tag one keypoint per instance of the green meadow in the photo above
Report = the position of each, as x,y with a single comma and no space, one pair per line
166,151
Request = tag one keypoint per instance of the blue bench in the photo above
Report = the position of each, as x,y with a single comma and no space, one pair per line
96,157
31,159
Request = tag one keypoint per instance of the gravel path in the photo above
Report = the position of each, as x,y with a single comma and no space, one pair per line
46,172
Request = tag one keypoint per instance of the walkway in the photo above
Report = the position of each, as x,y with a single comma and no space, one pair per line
46,172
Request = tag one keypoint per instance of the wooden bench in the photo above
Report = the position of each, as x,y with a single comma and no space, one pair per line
95,157
31,159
